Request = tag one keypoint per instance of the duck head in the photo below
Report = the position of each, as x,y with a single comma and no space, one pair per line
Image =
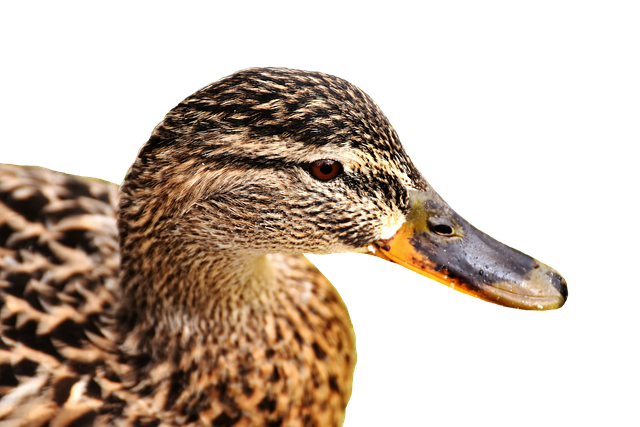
273,160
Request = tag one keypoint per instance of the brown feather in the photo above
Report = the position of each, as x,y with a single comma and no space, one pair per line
199,308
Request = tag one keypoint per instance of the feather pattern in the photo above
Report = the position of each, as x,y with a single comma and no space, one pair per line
183,298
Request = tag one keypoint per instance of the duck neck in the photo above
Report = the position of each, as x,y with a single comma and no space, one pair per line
189,290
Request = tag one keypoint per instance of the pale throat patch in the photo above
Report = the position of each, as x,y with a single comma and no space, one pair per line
391,224
255,272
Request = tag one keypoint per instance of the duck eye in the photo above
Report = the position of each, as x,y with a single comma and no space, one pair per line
325,170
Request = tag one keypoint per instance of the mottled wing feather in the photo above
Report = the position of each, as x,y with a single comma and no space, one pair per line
58,273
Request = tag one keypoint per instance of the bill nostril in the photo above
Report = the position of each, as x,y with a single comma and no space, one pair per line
440,229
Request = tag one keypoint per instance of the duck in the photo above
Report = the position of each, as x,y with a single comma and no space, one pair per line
183,298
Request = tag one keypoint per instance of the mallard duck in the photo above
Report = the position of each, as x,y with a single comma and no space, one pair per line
196,307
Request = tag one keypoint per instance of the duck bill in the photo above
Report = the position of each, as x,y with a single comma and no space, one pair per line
436,242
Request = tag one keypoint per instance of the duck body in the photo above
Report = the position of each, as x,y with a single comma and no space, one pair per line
183,297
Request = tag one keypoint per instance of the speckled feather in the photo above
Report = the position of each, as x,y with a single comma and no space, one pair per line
212,316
